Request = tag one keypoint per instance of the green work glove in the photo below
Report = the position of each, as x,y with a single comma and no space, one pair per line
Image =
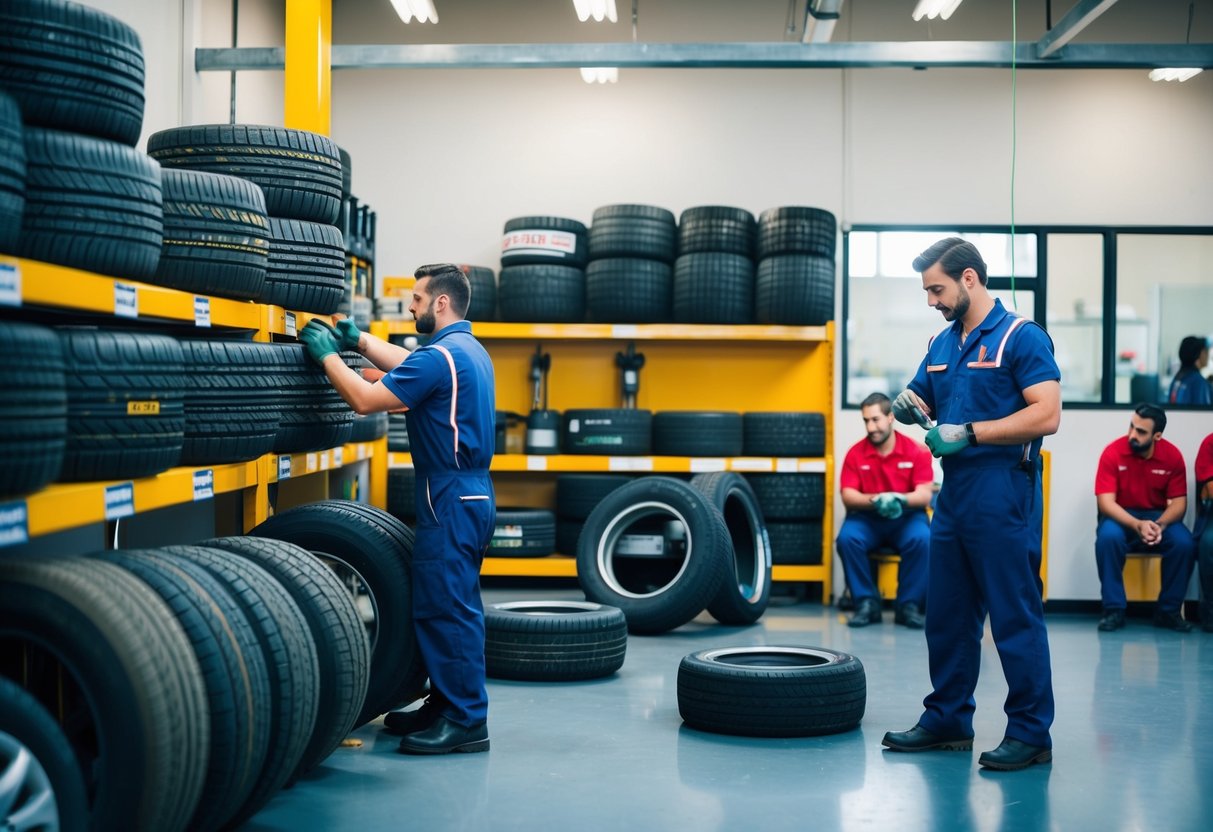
320,340
944,440
907,411
889,505
348,334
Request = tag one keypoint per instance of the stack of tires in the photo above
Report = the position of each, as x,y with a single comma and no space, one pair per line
714,272
629,278
542,276
795,282
793,505
483,283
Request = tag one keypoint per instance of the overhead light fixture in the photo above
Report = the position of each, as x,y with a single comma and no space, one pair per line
931,9
600,74
423,10
1174,73
597,9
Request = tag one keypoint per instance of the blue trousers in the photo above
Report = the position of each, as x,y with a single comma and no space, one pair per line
455,517
1112,543
865,531
985,558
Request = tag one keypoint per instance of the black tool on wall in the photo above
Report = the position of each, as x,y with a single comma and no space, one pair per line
629,364
542,425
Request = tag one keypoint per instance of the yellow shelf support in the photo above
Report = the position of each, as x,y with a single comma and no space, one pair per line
309,48
554,566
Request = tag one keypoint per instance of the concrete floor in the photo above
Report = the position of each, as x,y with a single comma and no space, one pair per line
1133,747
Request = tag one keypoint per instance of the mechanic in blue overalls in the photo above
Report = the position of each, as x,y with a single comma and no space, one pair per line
447,388
988,390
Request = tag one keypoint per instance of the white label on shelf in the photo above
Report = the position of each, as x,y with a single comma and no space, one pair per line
310,462
284,467
126,300
325,461
704,465
119,500
816,466
536,463
202,311
204,484
630,463
14,523
623,331
752,464
290,324
10,283
785,465
554,244
362,451
339,457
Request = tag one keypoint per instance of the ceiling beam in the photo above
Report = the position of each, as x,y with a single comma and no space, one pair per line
1076,19
775,55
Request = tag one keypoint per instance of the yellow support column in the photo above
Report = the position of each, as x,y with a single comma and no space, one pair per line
309,46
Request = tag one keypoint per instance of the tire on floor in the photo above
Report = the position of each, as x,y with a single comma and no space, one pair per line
771,691
746,590
553,641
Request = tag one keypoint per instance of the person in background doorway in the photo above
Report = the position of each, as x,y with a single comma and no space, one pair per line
1204,529
992,383
1189,386
1141,490
886,485
447,388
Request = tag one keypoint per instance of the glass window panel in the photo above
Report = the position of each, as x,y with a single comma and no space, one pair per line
1075,314
862,254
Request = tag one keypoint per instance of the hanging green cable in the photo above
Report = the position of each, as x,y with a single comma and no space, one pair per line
1014,131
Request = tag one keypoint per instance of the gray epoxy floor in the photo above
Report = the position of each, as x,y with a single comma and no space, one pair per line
1133,747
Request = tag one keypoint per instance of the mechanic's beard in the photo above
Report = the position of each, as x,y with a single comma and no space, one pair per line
426,323
1141,448
879,439
962,306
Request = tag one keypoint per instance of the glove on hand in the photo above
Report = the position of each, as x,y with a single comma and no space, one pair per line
947,439
320,340
906,409
348,334
889,505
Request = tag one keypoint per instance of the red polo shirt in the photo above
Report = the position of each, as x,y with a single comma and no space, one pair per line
906,467
1204,461
1141,483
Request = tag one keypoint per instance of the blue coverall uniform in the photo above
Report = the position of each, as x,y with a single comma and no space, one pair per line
448,388
985,535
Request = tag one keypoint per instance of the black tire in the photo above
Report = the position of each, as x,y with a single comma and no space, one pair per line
12,173
33,409
343,652
523,533
397,432
771,691
697,433
233,671
553,641
91,204
300,172
347,173
717,228
795,290
73,68
795,543
629,290
544,240
372,553
797,230
93,639
314,416
655,593
290,658
713,288
216,235
125,404
579,494
483,303
48,783
402,494
368,428
744,594
789,434
612,431
306,267
232,409
541,294
633,231
568,532
790,496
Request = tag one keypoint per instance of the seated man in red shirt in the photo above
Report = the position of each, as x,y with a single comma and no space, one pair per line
1204,530
886,484
1141,489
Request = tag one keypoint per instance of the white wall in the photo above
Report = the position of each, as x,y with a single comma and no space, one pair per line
445,157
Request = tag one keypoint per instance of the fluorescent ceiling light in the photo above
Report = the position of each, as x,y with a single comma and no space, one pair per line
1173,73
600,74
597,9
423,10
932,9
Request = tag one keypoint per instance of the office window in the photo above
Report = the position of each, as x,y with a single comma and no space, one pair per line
1075,266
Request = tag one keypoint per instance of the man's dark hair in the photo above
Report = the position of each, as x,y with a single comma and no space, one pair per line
1190,349
448,279
886,405
1155,414
953,255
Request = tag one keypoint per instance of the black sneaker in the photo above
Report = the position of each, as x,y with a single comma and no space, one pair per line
866,612
1112,620
1172,621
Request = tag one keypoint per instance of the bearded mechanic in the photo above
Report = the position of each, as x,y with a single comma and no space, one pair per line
447,389
992,383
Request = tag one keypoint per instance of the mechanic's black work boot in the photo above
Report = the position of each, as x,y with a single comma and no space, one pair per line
1012,755
908,615
444,737
866,612
920,739
1172,621
409,722
1113,619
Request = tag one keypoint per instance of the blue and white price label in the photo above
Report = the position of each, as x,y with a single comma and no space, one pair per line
14,523
290,324
126,300
202,311
204,484
10,283
119,500
284,467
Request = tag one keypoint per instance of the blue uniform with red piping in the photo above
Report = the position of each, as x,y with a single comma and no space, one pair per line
986,532
448,387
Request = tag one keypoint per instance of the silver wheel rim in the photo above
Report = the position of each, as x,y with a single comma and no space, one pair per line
547,607
752,592
783,658
360,593
619,526
27,798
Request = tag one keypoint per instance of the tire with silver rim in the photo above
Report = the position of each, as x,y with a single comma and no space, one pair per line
553,641
745,593
771,691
